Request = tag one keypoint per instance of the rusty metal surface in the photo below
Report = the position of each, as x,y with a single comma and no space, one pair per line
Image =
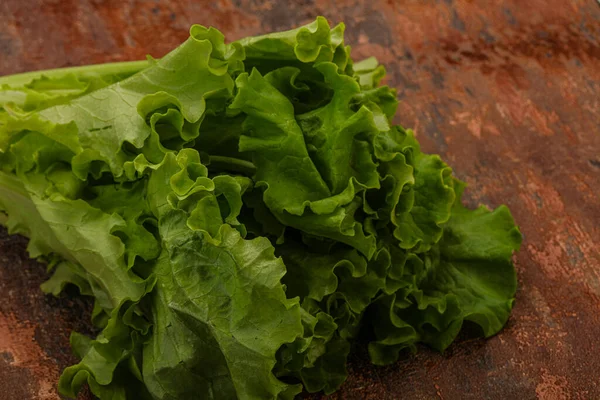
508,92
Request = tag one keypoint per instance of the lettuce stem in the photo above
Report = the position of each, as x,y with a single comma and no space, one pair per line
119,68
232,164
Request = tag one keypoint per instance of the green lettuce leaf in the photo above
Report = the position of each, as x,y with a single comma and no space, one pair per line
284,165
34,91
110,125
309,44
468,276
221,312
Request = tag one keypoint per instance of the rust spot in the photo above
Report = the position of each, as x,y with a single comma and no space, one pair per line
457,23
552,387
376,28
23,361
7,357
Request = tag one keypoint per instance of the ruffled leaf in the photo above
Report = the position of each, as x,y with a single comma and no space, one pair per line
469,276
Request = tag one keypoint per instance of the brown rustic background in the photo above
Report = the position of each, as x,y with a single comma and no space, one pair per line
508,92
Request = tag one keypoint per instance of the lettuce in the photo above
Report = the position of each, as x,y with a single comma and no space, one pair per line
240,213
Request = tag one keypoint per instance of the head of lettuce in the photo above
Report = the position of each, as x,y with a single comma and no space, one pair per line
240,212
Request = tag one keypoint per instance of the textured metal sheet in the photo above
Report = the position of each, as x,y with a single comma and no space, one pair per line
508,92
